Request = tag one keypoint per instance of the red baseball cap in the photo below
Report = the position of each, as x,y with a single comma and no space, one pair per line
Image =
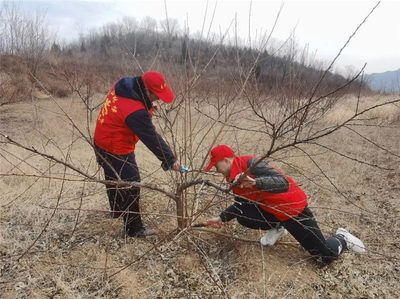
155,82
219,153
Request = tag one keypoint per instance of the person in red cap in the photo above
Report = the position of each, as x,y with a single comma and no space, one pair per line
269,200
124,119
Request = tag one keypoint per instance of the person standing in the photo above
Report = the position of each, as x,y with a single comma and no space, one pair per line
269,200
124,119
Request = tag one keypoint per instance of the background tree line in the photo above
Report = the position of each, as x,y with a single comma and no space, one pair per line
30,52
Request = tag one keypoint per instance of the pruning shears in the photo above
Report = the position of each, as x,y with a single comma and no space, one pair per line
184,169
200,225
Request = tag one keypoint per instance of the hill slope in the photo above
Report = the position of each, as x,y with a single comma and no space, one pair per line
386,82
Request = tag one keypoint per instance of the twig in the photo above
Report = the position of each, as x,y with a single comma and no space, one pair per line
292,244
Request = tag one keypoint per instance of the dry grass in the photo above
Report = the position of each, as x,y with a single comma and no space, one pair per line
79,253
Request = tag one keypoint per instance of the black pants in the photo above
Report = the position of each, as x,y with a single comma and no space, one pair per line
304,228
123,201
252,216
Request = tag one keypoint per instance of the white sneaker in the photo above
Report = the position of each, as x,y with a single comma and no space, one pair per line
272,236
352,242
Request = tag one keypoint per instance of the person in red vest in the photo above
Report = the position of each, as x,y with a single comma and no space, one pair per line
269,200
124,119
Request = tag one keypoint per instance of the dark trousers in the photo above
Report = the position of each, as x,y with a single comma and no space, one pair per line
123,201
304,228
252,216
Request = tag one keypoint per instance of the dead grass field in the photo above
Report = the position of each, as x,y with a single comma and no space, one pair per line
82,251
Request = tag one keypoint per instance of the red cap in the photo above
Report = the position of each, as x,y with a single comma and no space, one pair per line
155,82
219,153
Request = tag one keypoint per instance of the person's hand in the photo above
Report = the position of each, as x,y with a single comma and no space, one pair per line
177,166
215,222
246,182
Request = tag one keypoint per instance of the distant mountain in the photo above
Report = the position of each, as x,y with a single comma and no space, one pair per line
386,82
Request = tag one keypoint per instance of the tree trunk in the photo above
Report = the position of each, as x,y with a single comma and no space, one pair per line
181,210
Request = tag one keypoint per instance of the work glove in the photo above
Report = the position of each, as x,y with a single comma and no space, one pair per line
215,222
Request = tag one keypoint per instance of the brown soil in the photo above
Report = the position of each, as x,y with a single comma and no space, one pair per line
85,255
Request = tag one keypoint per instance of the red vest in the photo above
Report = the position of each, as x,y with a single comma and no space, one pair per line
282,205
111,133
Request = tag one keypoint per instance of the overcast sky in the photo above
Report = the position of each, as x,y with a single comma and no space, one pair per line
323,25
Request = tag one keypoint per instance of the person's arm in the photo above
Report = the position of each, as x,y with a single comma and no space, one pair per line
140,123
227,215
267,178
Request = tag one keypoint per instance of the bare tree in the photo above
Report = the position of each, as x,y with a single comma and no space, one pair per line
148,24
26,36
170,27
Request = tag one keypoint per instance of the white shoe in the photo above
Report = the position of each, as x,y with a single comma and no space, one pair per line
352,242
272,236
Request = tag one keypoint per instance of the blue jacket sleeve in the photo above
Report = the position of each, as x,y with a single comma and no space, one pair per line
140,123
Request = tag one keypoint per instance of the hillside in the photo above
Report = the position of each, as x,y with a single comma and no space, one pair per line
96,60
385,82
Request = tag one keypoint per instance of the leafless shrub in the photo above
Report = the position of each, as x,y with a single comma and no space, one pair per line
15,84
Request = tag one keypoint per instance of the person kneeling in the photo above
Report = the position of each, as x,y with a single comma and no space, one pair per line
267,199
